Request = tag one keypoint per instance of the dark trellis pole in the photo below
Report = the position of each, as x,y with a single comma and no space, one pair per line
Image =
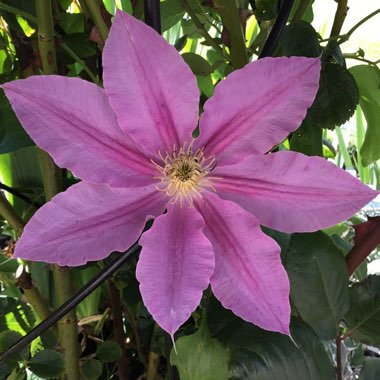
278,27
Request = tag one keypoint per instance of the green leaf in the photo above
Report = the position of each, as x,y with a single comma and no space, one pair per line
92,369
336,99
300,39
370,369
171,12
198,65
12,135
318,281
368,80
363,317
199,356
307,139
205,85
47,364
109,351
72,22
308,15
256,354
7,339
265,9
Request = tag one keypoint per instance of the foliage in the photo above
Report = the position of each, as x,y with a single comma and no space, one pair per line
327,304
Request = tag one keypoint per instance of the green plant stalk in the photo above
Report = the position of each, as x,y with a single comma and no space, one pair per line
201,28
340,16
97,18
52,177
343,149
360,134
31,293
230,15
301,9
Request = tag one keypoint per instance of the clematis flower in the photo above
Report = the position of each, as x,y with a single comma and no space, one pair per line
131,144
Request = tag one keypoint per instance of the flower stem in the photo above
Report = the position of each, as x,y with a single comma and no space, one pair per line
229,12
52,177
10,215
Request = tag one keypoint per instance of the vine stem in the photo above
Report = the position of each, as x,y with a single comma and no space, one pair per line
52,178
97,18
230,15
340,16
24,280
201,28
338,342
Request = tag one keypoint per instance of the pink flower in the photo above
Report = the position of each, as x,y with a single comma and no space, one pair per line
132,146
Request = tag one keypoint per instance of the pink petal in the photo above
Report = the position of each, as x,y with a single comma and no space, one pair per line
175,266
256,107
72,120
151,89
88,222
249,278
291,192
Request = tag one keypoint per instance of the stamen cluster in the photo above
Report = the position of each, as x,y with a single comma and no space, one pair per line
183,173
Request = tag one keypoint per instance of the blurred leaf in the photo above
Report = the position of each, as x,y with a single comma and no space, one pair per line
199,356
71,22
92,369
300,39
12,135
266,9
180,43
197,64
79,44
171,12
47,364
109,351
370,369
308,15
368,80
7,339
363,317
205,85
307,139
318,281
46,340
336,99
7,264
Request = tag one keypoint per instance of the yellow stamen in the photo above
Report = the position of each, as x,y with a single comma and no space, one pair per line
184,174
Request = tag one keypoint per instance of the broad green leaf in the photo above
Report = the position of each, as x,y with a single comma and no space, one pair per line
205,85
109,351
300,39
46,340
197,64
8,265
363,317
92,369
318,281
336,99
308,15
370,369
12,135
199,356
72,22
47,364
7,339
368,81
256,354
307,139
171,12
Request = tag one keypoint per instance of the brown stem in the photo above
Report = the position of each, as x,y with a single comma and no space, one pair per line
339,373
153,362
340,16
361,250
118,330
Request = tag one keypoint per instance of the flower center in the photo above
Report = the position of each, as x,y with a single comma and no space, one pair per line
183,173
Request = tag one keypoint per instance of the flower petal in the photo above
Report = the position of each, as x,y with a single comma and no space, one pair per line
249,278
88,222
256,107
175,266
291,192
151,89
72,120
